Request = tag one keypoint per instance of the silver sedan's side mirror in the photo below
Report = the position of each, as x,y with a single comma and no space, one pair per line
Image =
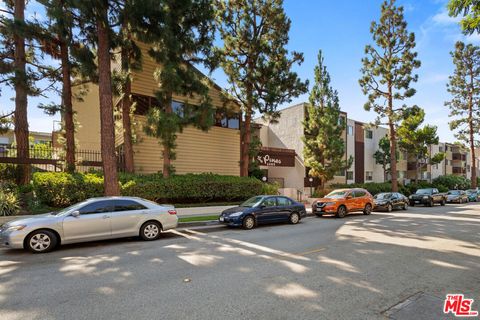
75,213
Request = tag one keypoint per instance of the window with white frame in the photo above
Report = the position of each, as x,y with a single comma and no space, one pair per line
350,130
369,175
368,134
349,175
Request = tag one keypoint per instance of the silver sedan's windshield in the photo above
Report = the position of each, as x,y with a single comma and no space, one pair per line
71,208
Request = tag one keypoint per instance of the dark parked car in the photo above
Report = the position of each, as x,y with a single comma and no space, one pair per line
457,196
428,197
264,209
473,195
390,200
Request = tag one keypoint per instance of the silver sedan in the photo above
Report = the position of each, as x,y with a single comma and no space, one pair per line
90,220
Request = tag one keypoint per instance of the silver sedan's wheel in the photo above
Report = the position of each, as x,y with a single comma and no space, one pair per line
389,207
150,231
41,241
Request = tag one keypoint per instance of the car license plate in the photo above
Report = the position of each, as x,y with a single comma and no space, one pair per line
222,219
417,201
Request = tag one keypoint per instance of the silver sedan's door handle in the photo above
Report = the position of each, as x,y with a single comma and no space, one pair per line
105,217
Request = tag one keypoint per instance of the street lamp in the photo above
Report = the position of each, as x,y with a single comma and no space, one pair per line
264,179
311,182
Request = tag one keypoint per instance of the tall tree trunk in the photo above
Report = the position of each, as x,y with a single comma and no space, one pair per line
473,167
246,139
167,153
107,128
67,108
21,102
127,128
393,141
126,109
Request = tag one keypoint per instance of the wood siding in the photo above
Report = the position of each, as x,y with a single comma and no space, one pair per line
144,83
216,151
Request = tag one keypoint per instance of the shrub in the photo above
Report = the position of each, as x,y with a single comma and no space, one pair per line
449,182
63,189
60,189
192,188
270,188
320,193
8,172
9,204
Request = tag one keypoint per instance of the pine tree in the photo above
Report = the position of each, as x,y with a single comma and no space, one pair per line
181,34
464,86
470,10
387,72
97,20
132,13
324,147
256,61
21,67
59,36
416,139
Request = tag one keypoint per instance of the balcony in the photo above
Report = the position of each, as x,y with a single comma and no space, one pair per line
459,156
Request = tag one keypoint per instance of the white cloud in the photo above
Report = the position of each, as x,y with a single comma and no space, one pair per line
442,18
433,78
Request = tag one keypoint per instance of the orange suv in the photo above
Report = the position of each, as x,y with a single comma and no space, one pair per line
342,201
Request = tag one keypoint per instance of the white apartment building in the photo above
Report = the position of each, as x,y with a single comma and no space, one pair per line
281,157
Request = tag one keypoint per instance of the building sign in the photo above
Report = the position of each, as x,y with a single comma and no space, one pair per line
275,157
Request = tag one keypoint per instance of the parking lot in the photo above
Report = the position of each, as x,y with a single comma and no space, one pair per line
359,267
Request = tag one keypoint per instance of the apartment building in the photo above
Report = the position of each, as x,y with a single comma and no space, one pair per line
283,140
8,138
197,151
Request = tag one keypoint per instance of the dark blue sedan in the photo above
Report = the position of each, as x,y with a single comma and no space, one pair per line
263,209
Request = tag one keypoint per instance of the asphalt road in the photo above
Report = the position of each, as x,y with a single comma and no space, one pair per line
323,268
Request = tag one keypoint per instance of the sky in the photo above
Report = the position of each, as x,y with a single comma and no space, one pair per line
341,29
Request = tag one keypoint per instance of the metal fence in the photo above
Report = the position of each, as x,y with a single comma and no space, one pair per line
46,158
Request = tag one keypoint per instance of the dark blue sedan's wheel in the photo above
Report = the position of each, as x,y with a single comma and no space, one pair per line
294,218
248,222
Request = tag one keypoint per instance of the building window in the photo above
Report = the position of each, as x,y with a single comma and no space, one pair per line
350,130
369,134
468,168
178,108
341,121
340,173
440,149
436,166
226,120
368,175
349,175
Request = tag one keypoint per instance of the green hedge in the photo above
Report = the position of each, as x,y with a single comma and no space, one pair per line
60,189
63,189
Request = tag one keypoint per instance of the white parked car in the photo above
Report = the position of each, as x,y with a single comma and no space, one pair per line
90,220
